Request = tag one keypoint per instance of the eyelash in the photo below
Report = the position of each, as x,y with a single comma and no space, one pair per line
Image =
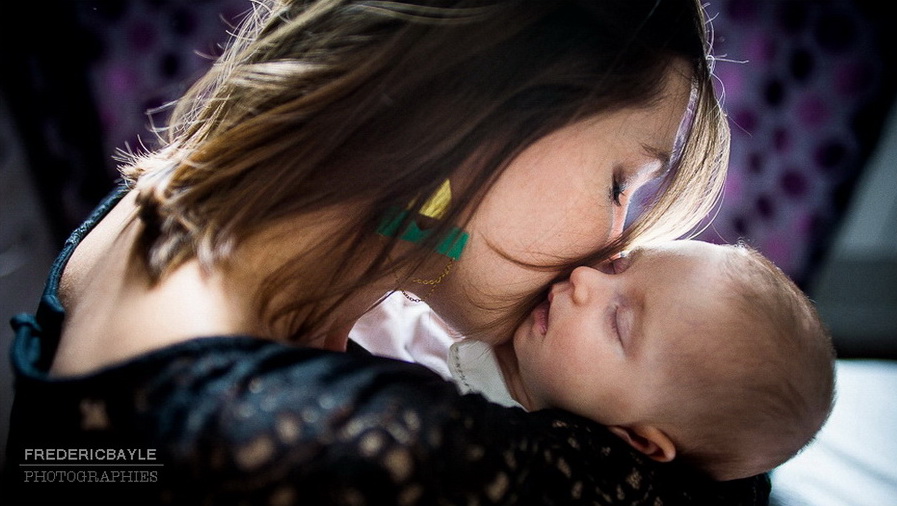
615,324
617,189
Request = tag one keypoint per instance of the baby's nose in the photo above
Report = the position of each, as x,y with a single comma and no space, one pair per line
587,281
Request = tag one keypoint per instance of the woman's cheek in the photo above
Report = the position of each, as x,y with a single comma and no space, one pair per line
489,280
549,229
492,276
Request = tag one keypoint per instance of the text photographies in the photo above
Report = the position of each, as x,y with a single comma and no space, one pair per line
90,465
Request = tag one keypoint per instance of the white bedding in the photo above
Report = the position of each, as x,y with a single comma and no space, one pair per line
853,461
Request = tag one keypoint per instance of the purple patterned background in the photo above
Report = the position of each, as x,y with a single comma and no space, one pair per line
804,82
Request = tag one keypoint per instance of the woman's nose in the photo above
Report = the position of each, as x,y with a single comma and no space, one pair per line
618,218
588,284
618,223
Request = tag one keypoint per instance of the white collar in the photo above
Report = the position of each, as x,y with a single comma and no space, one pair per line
475,369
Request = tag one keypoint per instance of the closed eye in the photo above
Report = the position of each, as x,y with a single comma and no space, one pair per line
616,190
615,323
623,321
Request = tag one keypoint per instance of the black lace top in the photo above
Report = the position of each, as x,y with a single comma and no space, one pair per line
238,420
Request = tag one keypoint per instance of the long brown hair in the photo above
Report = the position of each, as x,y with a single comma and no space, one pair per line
372,103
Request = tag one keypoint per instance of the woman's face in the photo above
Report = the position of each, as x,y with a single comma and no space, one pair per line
565,196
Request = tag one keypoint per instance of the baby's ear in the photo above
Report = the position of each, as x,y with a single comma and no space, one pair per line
647,439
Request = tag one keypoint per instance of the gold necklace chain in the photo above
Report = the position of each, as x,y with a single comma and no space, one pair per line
433,283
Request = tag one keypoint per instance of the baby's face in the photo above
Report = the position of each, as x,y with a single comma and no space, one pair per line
601,344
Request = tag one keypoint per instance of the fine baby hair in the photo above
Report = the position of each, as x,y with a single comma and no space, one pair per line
752,398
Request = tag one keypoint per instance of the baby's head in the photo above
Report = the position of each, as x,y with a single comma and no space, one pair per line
688,350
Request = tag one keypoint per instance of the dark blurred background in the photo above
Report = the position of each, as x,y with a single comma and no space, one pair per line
808,85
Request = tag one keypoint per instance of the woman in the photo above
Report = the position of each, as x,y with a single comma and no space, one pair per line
202,313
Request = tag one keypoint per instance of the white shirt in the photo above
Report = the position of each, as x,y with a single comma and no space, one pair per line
475,369
411,331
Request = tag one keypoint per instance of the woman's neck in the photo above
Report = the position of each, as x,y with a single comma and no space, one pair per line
322,287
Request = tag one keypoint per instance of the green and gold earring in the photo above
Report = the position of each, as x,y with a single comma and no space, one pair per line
451,245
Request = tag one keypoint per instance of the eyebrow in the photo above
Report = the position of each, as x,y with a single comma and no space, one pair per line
634,254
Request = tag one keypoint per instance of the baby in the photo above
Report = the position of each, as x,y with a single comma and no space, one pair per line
704,353
689,350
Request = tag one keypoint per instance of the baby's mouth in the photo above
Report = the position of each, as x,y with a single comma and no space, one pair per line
541,316
542,312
